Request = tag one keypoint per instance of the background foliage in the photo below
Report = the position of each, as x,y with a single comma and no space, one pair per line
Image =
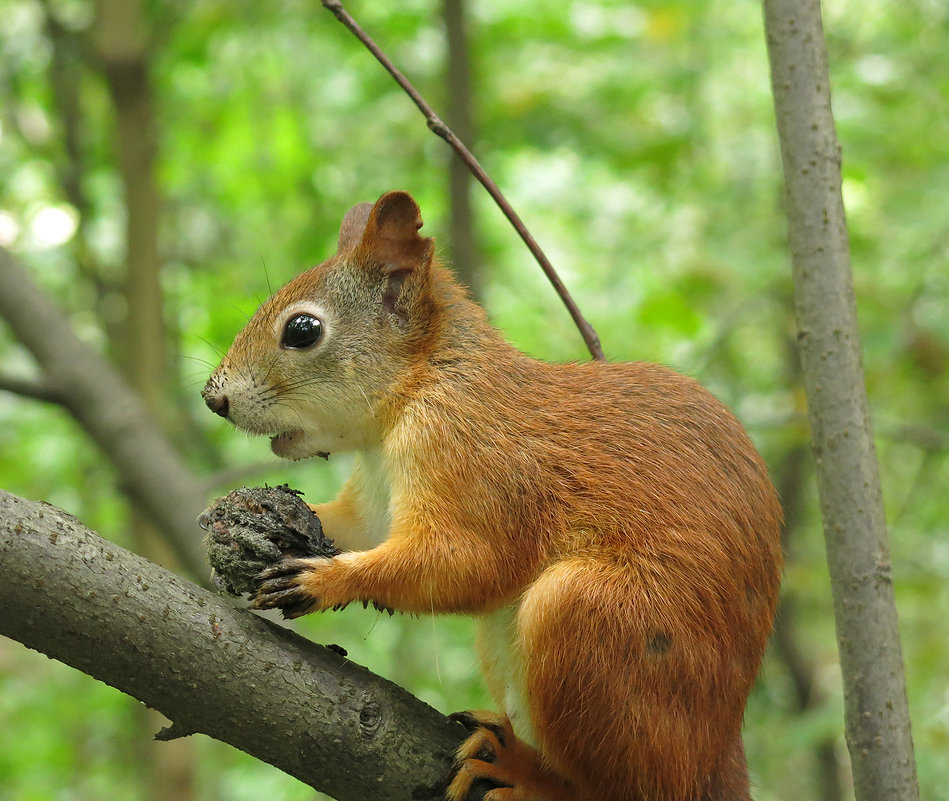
637,142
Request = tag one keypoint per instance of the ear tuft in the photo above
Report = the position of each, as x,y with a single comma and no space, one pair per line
392,234
353,227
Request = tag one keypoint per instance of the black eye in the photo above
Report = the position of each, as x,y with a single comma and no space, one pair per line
301,331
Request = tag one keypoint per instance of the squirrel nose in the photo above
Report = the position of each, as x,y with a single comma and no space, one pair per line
217,403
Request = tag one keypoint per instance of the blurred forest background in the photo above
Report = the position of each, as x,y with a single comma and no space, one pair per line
163,163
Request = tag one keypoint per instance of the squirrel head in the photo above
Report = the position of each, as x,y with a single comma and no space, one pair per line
316,364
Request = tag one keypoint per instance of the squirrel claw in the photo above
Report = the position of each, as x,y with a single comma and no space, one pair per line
494,765
289,568
280,587
270,599
291,603
473,721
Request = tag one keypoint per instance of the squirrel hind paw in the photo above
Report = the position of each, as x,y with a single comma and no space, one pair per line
492,764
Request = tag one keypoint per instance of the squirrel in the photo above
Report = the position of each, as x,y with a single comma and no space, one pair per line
611,526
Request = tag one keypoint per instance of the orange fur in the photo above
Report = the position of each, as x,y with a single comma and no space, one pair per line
616,517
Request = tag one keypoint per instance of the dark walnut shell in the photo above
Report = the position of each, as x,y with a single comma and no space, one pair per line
252,528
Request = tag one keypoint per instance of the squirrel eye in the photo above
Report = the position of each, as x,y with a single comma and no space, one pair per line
301,331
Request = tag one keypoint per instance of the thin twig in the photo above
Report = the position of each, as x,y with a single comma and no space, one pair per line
438,127
927,438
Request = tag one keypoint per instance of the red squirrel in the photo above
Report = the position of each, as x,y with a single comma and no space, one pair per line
611,526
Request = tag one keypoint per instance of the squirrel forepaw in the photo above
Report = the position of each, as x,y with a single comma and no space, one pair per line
284,586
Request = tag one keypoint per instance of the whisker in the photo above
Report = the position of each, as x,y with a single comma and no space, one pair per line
218,350
199,360
242,310
272,364
301,382
195,376
263,263
365,398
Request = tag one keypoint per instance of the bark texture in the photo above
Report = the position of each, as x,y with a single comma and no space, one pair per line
211,668
877,718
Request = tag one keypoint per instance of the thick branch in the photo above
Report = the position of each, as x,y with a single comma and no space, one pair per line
877,718
438,127
211,668
151,472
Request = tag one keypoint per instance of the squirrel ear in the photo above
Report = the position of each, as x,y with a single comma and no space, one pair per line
392,234
353,227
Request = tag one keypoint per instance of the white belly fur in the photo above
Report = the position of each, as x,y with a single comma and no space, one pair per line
497,632
503,668
375,496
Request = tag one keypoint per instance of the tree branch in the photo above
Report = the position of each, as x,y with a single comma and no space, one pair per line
211,668
150,471
438,127
37,389
877,720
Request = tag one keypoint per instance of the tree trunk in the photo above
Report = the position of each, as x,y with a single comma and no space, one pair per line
212,668
121,49
877,718
465,254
